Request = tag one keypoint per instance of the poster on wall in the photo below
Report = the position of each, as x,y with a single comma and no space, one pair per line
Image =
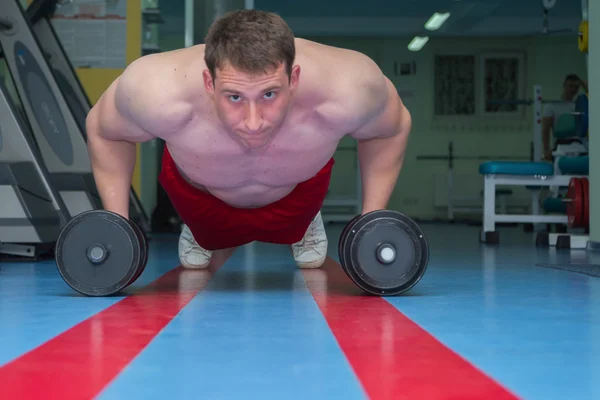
93,32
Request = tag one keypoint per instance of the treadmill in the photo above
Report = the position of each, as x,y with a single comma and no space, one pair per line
32,212
55,104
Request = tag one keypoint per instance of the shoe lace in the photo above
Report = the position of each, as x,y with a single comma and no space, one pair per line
310,239
193,247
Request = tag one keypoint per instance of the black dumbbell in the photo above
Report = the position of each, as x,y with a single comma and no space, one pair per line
100,253
384,252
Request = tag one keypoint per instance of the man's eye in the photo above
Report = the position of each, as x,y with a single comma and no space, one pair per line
269,95
234,98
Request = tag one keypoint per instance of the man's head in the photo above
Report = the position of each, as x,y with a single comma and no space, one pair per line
571,86
250,72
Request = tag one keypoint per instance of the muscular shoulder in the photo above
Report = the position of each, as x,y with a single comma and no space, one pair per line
361,88
355,90
154,93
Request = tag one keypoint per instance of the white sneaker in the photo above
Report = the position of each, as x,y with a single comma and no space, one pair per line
311,251
191,255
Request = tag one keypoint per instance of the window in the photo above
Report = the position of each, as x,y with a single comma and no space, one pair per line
454,85
503,80
464,90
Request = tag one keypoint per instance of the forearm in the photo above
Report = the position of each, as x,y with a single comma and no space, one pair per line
380,163
113,163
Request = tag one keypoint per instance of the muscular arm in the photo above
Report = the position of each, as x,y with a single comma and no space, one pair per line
382,139
113,132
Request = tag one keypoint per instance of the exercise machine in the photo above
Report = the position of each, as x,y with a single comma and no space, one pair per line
32,212
568,173
55,127
39,14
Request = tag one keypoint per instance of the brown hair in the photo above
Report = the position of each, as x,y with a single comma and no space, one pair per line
250,40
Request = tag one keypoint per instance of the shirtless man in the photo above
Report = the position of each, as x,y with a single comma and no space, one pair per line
251,120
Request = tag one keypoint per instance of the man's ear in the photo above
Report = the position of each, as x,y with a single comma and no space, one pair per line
209,82
294,77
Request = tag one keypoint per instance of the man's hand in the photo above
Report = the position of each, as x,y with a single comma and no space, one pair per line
382,140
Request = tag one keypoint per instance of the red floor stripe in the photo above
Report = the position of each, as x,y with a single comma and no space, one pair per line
392,356
82,361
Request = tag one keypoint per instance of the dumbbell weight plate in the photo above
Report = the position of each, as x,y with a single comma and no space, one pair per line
575,204
361,246
585,184
123,257
144,248
343,236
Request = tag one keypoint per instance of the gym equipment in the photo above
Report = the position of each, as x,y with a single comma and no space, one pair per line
582,41
31,211
451,157
100,253
39,14
578,215
52,125
532,175
574,165
577,201
586,203
581,114
507,173
522,102
385,253
55,130
554,205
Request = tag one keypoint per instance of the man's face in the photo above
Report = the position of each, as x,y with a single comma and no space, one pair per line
571,88
252,106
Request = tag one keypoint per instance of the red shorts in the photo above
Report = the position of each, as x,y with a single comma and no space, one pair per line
217,225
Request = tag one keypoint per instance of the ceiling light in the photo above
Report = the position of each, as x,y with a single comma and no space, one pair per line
417,43
436,20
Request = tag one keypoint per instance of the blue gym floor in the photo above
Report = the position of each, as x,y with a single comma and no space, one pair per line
484,322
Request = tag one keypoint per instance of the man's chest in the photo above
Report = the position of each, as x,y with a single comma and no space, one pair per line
215,159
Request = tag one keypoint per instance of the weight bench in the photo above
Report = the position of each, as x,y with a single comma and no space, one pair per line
533,175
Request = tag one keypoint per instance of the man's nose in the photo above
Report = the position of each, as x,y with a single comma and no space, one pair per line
253,119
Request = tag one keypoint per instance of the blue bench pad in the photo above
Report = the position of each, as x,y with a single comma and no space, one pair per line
521,168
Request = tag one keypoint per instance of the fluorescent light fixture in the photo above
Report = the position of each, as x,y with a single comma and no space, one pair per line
436,20
417,43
